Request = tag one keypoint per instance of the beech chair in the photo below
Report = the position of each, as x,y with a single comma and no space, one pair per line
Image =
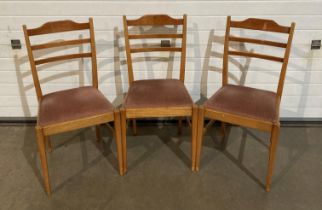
69,109
157,97
246,106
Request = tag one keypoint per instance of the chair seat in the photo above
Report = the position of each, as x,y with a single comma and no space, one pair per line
157,93
72,104
245,101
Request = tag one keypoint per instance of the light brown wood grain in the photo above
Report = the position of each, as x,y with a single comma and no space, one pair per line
43,132
227,117
77,124
148,112
184,49
260,24
57,26
63,57
256,55
155,20
93,51
257,41
60,44
225,57
158,112
43,158
32,64
128,51
153,49
154,36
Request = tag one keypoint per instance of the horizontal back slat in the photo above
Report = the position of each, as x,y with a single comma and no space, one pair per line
57,26
60,44
154,20
156,49
256,55
62,57
154,36
260,24
257,41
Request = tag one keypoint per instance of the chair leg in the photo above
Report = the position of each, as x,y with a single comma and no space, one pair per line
272,152
200,131
223,130
135,130
50,147
223,135
123,127
42,153
98,133
180,126
194,131
118,138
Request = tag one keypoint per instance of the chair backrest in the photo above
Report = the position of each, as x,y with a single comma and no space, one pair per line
261,25
56,27
155,20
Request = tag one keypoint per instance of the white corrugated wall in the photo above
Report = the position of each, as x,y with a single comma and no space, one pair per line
206,23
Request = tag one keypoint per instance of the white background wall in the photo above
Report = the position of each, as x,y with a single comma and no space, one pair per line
206,23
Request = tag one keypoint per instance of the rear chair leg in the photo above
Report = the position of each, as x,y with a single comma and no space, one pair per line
199,136
118,138
98,133
180,126
272,152
223,130
42,154
123,128
135,130
48,140
194,131
223,135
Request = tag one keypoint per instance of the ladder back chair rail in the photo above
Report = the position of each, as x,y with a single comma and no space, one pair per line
72,123
155,20
260,25
57,27
266,124
146,111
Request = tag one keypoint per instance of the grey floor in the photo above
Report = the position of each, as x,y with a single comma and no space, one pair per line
84,176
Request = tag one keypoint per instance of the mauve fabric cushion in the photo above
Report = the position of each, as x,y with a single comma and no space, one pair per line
72,104
245,101
154,93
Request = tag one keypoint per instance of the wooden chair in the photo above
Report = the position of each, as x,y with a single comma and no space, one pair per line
247,106
157,97
70,109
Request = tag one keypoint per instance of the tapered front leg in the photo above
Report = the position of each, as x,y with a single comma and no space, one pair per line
118,138
194,132
199,136
272,153
41,141
123,127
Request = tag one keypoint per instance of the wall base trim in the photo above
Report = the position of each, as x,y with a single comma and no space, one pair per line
284,121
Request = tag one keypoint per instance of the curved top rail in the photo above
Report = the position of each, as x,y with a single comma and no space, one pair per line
58,26
154,20
260,24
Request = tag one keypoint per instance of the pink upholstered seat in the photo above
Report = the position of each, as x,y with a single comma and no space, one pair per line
72,104
245,101
154,93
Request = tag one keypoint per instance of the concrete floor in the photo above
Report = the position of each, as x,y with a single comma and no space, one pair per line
84,175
